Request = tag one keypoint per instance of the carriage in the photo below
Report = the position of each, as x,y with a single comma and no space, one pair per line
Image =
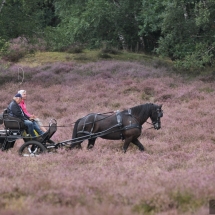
125,125
15,129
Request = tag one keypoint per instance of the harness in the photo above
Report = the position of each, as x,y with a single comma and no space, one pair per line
119,125
130,126
137,125
119,121
93,124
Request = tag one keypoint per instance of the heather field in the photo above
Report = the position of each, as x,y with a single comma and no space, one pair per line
176,173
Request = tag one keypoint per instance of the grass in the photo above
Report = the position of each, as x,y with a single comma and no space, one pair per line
40,58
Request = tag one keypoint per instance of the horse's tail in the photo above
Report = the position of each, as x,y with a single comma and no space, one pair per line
74,134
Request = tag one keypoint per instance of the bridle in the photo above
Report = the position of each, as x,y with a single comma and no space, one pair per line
156,124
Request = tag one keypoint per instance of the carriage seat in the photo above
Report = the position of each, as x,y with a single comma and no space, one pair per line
12,123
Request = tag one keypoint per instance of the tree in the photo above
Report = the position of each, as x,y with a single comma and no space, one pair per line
97,21
180,29
2,5
188,32
24,18
150,22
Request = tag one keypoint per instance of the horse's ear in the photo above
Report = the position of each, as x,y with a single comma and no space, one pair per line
161,105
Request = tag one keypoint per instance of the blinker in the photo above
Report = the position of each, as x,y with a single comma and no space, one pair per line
160,113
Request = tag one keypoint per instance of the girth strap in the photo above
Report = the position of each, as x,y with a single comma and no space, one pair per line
93,123
119,118
119,121
132,126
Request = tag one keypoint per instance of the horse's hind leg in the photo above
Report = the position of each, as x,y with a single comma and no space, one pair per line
91,143
138,143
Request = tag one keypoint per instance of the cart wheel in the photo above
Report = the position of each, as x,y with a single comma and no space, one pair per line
32,149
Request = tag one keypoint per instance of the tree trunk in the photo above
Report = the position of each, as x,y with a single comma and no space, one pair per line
185,12
137,47
2,5
122,40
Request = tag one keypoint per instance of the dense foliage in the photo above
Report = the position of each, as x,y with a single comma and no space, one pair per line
183,30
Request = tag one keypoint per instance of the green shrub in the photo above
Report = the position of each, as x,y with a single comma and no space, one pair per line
74,48
17,49
110,51
14,55
4,45
104,55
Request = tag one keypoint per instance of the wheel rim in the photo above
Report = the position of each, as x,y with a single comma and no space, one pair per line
31,151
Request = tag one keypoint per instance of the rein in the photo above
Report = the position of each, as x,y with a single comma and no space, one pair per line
100,120
150,124
86,123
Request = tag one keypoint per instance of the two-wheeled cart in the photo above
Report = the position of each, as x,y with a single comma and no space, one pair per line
15,129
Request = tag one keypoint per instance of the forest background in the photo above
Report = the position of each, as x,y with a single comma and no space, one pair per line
182,30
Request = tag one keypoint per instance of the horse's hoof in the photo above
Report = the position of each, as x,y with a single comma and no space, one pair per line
90,147
78,147
142,149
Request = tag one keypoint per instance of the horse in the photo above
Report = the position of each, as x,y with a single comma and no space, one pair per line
125,125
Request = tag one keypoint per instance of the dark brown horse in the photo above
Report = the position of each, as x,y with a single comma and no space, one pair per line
124,125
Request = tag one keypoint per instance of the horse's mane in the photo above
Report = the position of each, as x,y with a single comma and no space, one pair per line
141,110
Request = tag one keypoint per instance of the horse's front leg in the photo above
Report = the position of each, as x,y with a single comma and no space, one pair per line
126,144
91,143
138,143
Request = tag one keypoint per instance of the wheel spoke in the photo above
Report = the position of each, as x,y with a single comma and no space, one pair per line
26,155
29,149
31,152
35,150
30,155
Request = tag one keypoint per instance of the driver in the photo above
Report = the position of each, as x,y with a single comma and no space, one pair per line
15,110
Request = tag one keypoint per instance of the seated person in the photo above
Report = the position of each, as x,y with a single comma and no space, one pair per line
15,110
22,104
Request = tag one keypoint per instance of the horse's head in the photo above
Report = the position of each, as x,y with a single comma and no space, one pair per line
157,113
